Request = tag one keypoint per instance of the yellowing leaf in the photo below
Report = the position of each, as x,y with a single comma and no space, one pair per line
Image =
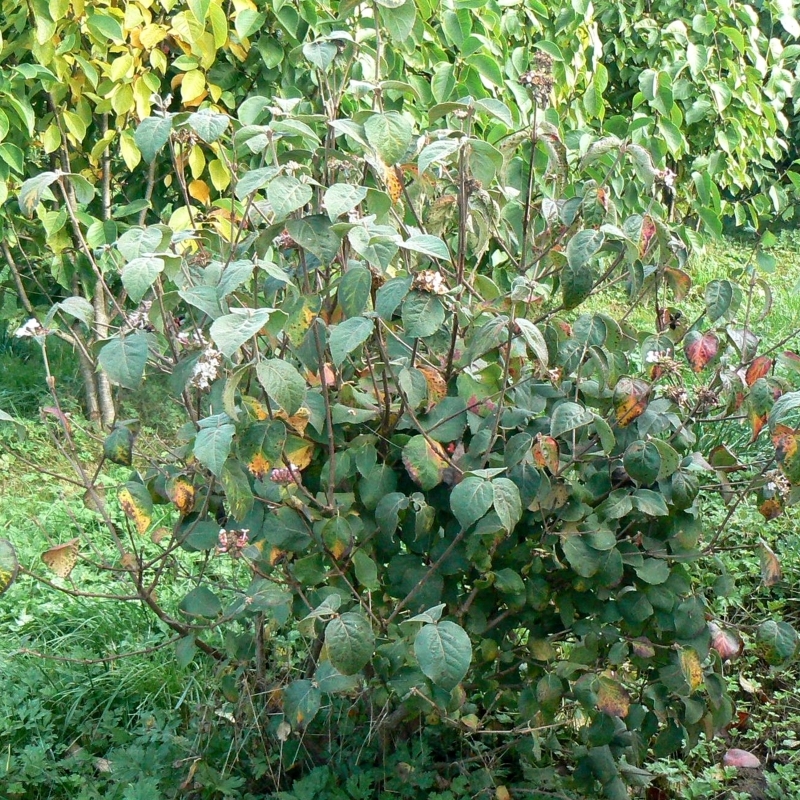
121,68
128,150
135,509
220,177
193,87
51,139
219,24
299,452
122,99
298,421
151,35
158,61
197,161
691,667
394,185
141,97
62,558
199,191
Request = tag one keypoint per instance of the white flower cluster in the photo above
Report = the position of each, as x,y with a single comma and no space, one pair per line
191,339
31,328
206,369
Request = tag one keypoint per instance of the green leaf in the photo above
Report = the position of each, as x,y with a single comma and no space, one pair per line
428,245
776,642
201,602
399,20
301,700
118,446
507,502
283,383
253,180
320,54
444,653
238,495
140,274
315,235
424,464
568,417
487,68
340,198
423,314
138,242
78,307
208,125
390,295
577,282
582,246
366,571
534,339
231,331
390,135
642,461
471,499
650,503
447,420
31,191
437,152
286,194
105,27
719,296
347,336
212,443
123,359
387,512
350,642
151,135
354,290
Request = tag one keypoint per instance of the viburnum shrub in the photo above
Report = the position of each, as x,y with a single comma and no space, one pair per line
442,367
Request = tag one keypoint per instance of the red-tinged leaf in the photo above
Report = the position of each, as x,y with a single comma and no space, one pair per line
649,231
760,368
771,572
725,642
700,349
757,422
612,698
771,508
63,418
790,360
631,397
545,452
740,758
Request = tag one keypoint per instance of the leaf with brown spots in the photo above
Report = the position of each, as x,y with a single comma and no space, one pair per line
545,452
612,698
137,505
62,558
649,231
392,177
631,397
437,388
771,572
182,493
786,452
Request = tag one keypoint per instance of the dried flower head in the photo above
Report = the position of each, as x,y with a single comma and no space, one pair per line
539,79
284,241
139,319
232,542
430,281
707,398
